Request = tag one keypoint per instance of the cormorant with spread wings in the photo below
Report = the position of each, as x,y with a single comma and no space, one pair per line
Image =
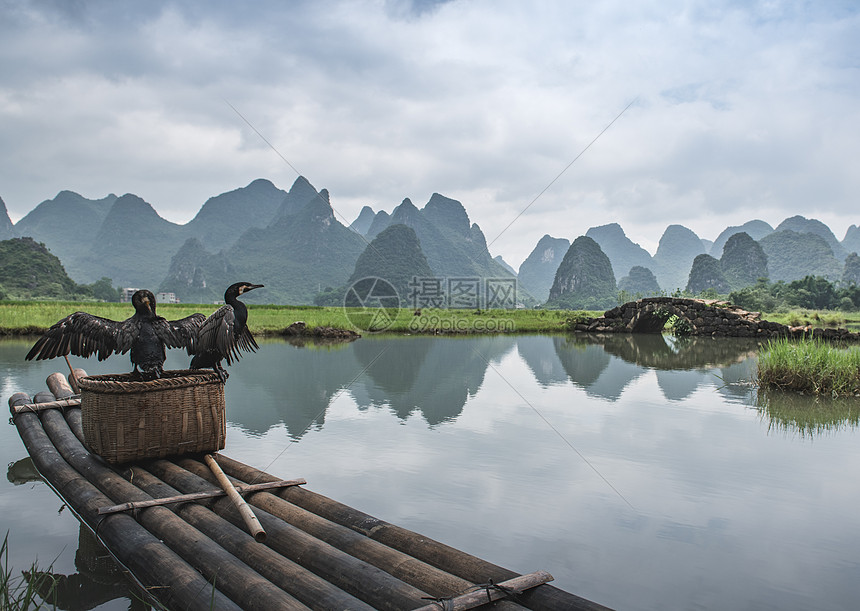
225,333
145,334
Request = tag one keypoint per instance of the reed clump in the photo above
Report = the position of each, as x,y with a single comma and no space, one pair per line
810,366
22,593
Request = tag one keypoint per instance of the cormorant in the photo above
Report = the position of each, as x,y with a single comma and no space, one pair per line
145,334
224,333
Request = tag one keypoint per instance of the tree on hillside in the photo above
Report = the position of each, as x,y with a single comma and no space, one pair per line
28,270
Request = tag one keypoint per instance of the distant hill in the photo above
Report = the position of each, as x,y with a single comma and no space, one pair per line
498,259
851,273
133,246
621,250
395,256
6,230
706,273
223,218
792,255
584,280
674,257
362,223
756,229
640,282
851,241
800,224
743,261
454,247
297,255
29,271
67,225
196,275
262,231
537,272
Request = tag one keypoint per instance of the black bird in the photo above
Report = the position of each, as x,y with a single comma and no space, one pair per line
145,334
225,333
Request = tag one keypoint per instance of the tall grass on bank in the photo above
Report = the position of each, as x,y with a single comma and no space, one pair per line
810,366
21,593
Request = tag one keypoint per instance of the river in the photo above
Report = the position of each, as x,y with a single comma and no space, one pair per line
641,472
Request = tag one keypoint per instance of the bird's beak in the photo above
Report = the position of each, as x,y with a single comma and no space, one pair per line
251,287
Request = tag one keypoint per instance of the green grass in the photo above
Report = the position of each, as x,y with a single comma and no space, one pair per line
809,366
33,317
22,593
816,318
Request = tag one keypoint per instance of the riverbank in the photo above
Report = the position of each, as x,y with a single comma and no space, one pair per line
34,317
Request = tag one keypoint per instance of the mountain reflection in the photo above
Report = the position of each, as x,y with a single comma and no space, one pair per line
293,384
425,374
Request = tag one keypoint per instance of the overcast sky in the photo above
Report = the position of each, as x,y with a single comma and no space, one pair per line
740,110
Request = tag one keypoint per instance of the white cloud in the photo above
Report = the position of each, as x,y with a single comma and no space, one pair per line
743,110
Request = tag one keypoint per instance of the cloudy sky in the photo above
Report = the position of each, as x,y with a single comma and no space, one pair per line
734,110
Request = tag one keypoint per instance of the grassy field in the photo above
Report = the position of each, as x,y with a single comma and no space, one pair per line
33,317
809,366
816,318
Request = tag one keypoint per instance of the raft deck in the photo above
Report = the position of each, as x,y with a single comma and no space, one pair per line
317,553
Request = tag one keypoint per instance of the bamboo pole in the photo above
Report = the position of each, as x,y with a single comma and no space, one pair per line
238,581
58,386
489,593
245,511
73,379
430,579
371,584
37,407
196,496
145,556
304,585
447,558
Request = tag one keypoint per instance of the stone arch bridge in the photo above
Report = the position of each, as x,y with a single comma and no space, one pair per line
701,317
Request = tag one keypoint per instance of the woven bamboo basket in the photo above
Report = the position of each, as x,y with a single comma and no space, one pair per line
125,419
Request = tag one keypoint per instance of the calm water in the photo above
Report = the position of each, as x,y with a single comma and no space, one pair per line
638,471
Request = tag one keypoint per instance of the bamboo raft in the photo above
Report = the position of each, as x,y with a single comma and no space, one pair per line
187,545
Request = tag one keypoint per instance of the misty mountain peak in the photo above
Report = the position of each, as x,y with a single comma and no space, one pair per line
297,198
448,213
364,220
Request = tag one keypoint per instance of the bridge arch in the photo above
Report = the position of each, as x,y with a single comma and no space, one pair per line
702,317
696,316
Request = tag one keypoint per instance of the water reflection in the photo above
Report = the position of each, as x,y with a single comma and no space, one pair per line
294,384
97,581
807,416
419,432
432,377
22,472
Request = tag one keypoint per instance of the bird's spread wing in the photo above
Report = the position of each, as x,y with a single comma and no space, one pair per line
180,333
83,335
213,329
217,334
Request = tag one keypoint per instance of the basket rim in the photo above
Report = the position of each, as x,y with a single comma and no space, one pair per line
131,382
